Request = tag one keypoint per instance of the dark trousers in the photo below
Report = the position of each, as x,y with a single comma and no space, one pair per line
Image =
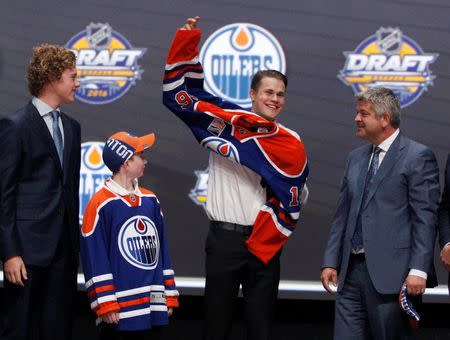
363,313
45,304
107,332
229,264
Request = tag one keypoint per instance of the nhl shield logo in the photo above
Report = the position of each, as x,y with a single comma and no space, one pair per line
389,40
99,35
233,54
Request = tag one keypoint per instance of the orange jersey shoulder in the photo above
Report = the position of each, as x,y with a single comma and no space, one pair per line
90,217
146,191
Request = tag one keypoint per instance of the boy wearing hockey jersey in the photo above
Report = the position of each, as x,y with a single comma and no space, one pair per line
129,277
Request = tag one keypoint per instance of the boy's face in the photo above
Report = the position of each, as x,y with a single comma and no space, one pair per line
135,165
65,87
268,99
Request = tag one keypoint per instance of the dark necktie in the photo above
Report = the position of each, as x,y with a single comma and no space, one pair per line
357,239
57,136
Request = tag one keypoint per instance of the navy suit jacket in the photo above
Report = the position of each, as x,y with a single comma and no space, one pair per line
399,218
444,210
39,198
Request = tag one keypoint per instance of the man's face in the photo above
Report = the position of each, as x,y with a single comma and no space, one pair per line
65,87
268,99
368,125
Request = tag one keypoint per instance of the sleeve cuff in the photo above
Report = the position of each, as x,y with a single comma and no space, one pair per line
172,301
108,307
418,273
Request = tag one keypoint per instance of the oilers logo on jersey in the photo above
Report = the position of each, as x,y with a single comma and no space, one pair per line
139,242
222,147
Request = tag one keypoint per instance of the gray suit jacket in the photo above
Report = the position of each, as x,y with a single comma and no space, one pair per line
444,211
399,218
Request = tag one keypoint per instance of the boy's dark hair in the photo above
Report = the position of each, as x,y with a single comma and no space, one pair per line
256,80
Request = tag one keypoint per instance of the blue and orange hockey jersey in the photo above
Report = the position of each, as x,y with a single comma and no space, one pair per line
268,148
125,258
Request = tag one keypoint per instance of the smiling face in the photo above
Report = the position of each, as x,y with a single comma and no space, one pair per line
369,126
269,97
65,87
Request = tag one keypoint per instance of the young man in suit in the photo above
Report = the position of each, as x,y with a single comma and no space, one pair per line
382,235
39,183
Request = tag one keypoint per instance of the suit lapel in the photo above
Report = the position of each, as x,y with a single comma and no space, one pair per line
40,129
363,165
385,167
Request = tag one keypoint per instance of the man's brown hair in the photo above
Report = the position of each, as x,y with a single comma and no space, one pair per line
48,63
260,75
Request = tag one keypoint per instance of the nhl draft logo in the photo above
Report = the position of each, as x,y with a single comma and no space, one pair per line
93,173
200,192
233,54
221,147
107,64
389,59
139,242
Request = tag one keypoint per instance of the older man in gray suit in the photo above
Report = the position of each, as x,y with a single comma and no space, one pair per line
444,221
382,235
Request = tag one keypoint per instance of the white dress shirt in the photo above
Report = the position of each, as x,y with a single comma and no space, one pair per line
45,111
120,190
235,193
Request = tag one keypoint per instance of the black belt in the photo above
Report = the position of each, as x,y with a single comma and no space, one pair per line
239,228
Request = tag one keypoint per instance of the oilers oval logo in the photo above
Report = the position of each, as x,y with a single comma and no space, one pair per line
138,242
233,54
389,59
107,64
93,173
221,147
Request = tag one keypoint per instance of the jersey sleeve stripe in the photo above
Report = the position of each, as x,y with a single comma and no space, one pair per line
167,272
97,279
172,292
134,302
97,290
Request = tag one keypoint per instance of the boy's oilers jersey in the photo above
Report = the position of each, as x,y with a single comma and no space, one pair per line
125,258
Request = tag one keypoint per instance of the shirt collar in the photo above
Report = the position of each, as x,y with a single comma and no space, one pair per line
120,190
42,107
386,144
